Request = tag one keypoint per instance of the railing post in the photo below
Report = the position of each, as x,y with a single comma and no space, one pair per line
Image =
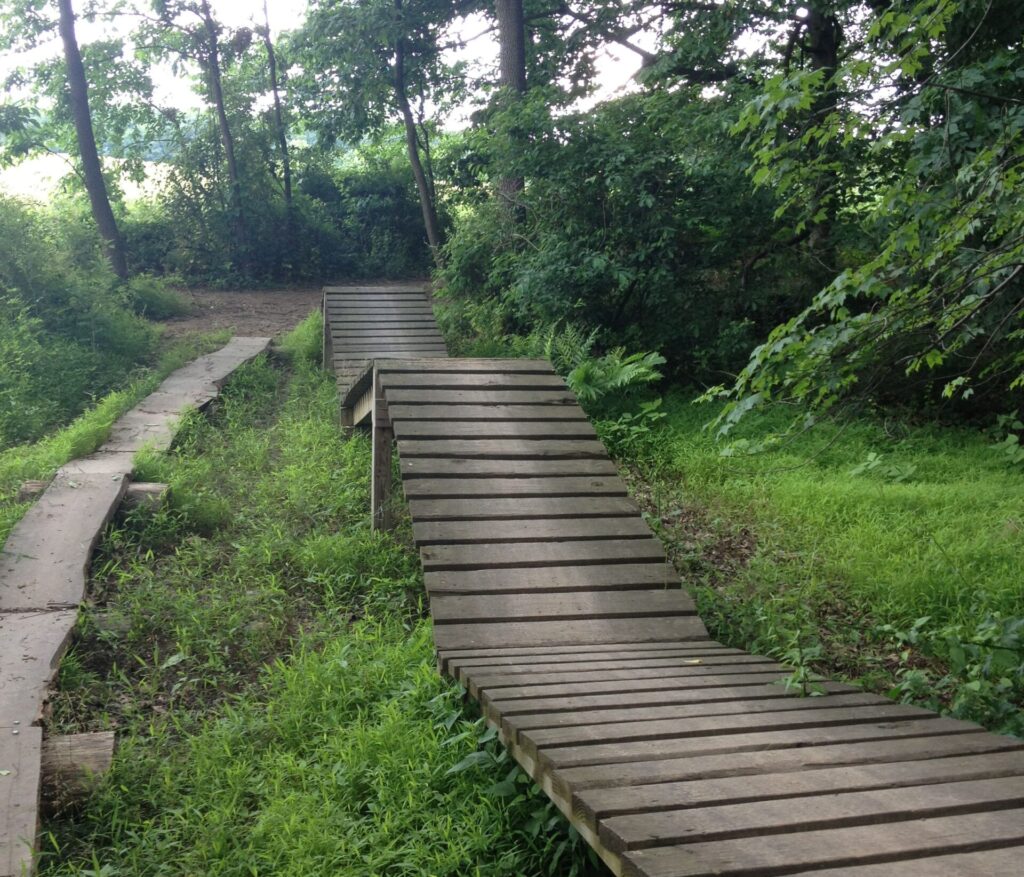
328,347
382,443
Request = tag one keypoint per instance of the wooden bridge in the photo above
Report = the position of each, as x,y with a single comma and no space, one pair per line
556,607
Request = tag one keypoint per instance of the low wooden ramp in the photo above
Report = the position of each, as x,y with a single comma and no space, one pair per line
363,322
44,572
555,605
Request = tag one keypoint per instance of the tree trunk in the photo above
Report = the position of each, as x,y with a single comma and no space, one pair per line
824,36
512,75
282,134
430,222
217,94
282,131
94,182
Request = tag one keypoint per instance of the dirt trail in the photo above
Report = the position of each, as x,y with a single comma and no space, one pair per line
245,312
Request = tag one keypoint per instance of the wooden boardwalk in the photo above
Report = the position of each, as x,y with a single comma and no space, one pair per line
675,756
44,571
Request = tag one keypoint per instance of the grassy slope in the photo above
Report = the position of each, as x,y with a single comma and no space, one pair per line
87,432
265,660
789,549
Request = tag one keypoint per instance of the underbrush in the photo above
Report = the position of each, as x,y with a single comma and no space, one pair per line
70,331
880,552
267,663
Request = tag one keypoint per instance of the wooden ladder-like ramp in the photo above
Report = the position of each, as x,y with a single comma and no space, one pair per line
556,607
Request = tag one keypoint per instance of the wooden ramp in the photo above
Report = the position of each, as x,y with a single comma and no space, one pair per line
555,605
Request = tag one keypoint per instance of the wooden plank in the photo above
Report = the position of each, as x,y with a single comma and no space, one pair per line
475,429
72,764
525,487
594,805
553,579
31,646
536,633
449,468
499,555
838,810
529,530
45,561
381,333
480,397
711,691
678,747
519,508
546,653
1001,862
19,796
786,853
501,686
505,449
468,364
486,413
617,655
707,726
553,607
503,690
750,763
512,725
505,380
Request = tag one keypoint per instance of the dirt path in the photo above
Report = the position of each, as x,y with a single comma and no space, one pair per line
267,312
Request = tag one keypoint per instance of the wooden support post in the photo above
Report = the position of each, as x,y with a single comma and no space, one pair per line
346,420
328,350
383,437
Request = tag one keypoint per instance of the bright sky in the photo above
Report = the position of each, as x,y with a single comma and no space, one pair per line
39,176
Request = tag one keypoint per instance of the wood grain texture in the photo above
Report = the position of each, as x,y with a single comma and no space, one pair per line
596,631
552,579
785,853
559,529
19,797
557,607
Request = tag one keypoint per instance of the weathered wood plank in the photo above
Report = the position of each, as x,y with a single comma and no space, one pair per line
497,555
480,397
613,656
45,561
553,579
837,810
31,646
696,691
486,413
520,508
594,805
546,653
786,853
72,764
677,747
19,797
685,678
554,607
475,429
524,487
708,726
529,530
604,630
512,725
505,469
438,380
742,764
467,364
1001,862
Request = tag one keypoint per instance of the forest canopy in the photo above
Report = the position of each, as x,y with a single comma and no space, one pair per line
816,203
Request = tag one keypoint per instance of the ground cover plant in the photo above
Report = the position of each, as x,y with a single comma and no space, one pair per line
266,661
876,550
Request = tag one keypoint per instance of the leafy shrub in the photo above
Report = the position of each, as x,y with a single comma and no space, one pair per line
151,298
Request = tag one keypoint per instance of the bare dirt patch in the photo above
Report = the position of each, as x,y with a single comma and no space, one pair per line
245,312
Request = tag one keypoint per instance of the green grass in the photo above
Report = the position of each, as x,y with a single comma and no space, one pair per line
894,550
267,663
40,460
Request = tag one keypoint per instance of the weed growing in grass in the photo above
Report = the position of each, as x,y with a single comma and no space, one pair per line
841,541
266,661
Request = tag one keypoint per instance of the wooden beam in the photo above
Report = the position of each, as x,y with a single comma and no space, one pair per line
383,438
72,764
